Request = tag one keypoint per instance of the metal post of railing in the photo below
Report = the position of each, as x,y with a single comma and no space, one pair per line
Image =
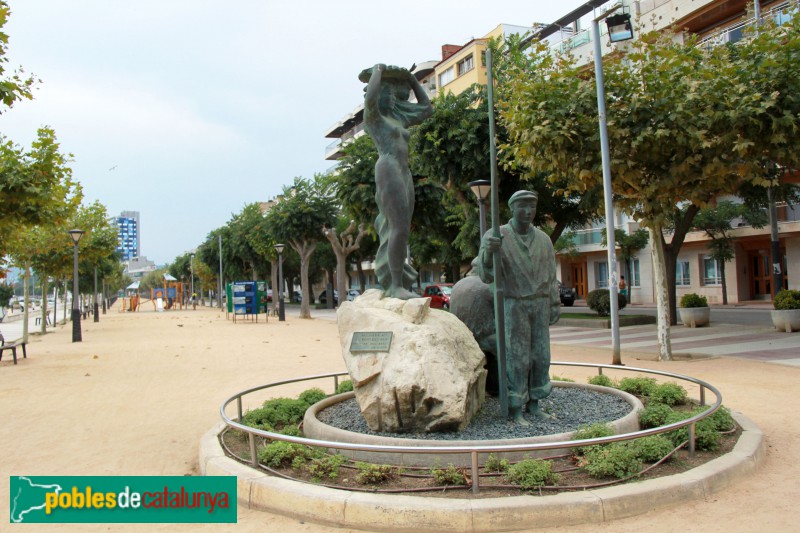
239,407
600,371
253,456
691,428
335,383
475,473
702,395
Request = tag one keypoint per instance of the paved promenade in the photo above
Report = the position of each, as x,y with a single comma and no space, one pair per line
135,397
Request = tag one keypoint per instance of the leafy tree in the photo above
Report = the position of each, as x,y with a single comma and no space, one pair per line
669,122
717,223
36,187
343,244
16,85
307,206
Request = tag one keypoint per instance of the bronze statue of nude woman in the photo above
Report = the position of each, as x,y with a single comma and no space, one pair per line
388,113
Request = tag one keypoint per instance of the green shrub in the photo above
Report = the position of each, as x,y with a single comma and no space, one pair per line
669,394
722,419
449,476
653,448
693,300
601,380
637,386
786,299
706,436
344,386
654,415
532,473
292,431
280,453
617,460
495,464
370,474
325,467
299,462
276,413
599,301
312,396
591,432
560,378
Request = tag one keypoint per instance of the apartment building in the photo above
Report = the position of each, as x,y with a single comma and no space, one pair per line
749,274
129,235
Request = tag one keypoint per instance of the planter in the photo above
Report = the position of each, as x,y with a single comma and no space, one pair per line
695,317
787,320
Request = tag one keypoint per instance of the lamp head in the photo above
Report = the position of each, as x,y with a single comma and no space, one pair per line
279,248
76,235
481,188
619,27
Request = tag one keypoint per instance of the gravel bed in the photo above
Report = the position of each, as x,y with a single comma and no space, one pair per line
570,407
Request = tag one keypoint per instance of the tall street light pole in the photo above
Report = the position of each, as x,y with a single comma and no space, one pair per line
281,312
96,308
191,264
76,235
619,29
221,286
481,188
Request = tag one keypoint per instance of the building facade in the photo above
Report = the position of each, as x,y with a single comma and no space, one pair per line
129,235
749,275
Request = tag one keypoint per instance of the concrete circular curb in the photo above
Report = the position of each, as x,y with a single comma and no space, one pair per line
314,428
387,512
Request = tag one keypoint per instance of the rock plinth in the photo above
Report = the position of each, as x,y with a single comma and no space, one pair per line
431,379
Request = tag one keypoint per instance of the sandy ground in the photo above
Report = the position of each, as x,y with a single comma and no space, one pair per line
136,395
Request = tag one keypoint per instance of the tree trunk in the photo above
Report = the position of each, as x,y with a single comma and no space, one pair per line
26,279
44,305
662,295
682,226
65,300
304,249
276,290
724,283
55,303
362,278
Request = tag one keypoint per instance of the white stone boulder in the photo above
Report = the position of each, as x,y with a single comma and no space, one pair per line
431,379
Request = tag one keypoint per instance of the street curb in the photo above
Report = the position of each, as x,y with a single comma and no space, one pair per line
386,512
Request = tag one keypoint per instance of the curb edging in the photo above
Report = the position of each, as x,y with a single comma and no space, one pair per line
389,512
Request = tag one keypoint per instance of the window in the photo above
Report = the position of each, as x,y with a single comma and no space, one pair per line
635,280
682,274
465,65
602,275
446,77
711,272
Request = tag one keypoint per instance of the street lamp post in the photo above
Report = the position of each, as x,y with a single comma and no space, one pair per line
619,29
221,286
96,309
281,313
191,265
76,235
481,188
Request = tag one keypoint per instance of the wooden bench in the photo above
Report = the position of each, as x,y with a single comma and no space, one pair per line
13,347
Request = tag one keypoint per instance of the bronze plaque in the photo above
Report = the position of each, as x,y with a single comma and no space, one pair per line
371,341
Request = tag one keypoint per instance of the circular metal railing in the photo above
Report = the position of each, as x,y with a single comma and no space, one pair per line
472,449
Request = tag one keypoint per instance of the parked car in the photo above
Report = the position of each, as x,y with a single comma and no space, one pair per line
323,297
297,296
439,293
352,294
567,294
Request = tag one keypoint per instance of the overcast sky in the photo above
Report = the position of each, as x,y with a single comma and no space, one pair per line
186,110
